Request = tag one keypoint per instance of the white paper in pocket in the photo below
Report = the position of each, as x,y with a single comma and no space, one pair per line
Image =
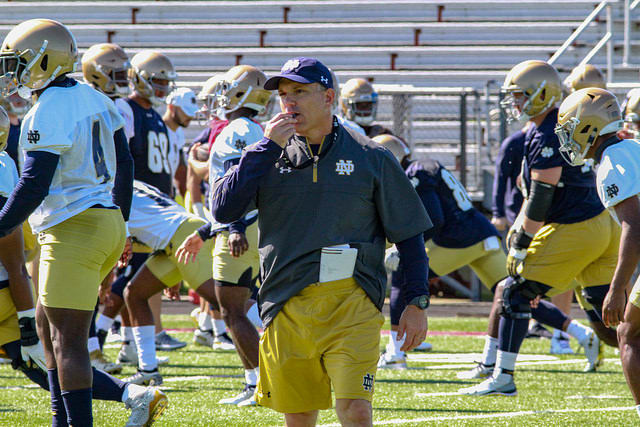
337,263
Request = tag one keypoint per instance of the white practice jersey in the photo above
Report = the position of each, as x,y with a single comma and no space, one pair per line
227,147
77,123
127,114
154,217
176,139
8,181
351,125
618,175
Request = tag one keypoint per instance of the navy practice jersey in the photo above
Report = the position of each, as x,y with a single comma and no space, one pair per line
575,198
12,144
456,223
150,148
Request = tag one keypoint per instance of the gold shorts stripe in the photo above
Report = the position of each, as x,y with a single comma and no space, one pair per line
586,251
326,336
76,255
166,267
226,268
489,266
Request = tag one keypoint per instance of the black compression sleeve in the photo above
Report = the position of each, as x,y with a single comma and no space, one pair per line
123,185
540,200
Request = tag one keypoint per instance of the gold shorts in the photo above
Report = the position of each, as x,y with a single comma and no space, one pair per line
586,251
228,269
634,297
166,267
76,255
9,329
327,335
30,242
489,265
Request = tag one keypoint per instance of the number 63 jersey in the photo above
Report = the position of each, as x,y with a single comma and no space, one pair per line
457,223
77,123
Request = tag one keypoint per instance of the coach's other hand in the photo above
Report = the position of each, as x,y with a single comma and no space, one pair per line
280,128
189,249
413,322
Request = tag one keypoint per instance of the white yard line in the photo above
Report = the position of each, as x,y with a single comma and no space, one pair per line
542,362
496,415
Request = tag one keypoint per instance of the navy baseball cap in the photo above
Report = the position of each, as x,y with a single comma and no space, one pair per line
302,70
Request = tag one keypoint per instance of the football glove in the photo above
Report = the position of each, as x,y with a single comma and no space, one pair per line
392,258
30,346
519,242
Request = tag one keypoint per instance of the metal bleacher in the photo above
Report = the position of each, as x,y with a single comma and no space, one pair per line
439,43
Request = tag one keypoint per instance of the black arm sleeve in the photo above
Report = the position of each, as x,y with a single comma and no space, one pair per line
540,200
33,187
123,186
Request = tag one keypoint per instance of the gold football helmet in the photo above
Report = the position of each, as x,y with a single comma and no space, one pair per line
15,104
631,113
5,125
583,116
35,53
105,66
530,88
584,76
242,87
394,144
152,75
359,101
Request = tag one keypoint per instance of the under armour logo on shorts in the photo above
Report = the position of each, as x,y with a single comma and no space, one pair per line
344,167
367,382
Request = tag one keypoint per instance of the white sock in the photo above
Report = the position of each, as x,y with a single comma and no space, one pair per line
219,327
490,351
250,376
93,344
505,360
204,321
118,318
394,345
128,334
104,322
145,341
638,410
578,330
254,316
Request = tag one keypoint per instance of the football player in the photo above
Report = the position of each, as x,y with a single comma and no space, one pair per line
76,190
161,224
240,96
152,76
587,124
359,103
349,124
546,249
583,76
105,66
631,115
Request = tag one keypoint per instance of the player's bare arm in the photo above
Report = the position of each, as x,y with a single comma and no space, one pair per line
628,212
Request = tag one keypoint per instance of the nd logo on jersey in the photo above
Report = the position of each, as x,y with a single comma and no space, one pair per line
344,167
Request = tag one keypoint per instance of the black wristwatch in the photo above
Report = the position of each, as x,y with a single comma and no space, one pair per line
422,302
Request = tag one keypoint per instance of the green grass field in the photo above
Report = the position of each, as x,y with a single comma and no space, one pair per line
553,391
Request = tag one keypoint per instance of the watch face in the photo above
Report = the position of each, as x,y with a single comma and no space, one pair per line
423,301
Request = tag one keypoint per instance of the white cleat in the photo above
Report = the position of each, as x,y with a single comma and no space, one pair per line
152,378
477,372
204,338
424,346
246,394
146,406
392,361
560,346
223,342
99,361
502,384
128,355
594,352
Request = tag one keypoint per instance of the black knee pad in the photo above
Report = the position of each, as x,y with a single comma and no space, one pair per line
516,297
595,295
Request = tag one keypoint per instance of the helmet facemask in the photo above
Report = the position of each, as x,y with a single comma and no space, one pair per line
570,150
362,110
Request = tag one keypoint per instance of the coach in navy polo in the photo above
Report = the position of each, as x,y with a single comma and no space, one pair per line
327,199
